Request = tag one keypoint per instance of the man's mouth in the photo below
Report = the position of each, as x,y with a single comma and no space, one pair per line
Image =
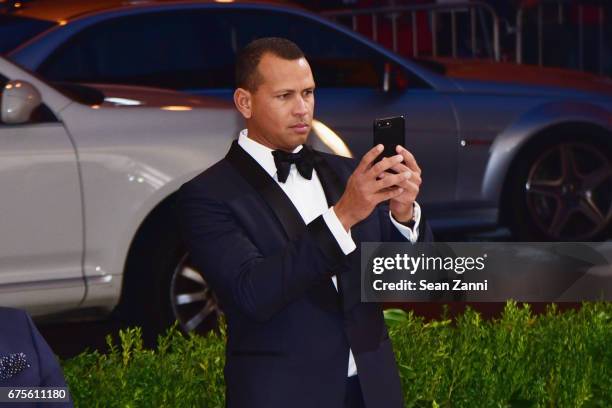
300,127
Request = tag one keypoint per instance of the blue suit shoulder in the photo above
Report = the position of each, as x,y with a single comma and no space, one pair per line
211,183
13,315
13,323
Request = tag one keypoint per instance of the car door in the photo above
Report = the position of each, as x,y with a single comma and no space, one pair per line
41,225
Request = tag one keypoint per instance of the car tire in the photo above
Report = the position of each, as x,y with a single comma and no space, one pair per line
561,190
162,287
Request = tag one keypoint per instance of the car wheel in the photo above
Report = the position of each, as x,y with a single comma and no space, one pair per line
562,192
161,287
194,304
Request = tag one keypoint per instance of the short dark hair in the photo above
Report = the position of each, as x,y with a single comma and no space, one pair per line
248,59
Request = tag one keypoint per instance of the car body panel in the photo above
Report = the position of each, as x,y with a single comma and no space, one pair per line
130,158
130,162
488,70
532,124
40,211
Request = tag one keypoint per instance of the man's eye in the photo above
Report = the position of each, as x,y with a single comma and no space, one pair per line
308,92
283,96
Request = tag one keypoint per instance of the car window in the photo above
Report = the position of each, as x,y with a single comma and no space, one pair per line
196,49
168,50
337,59
15,30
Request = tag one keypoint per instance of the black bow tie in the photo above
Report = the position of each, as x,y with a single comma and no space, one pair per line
303,160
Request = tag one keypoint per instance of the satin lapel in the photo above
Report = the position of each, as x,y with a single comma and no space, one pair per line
273,195
349,284
332,185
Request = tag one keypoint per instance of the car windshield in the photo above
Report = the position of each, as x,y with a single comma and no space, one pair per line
15,30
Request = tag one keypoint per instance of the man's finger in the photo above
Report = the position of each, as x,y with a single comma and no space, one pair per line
398,168
368,158
388,194
392,180
414,178
409,159
411,191
383,165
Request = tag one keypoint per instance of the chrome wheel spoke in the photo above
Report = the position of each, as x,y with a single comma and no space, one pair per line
559,220
195,321
211,306
187,298
568,162
193,302
192,274
547,188
591,211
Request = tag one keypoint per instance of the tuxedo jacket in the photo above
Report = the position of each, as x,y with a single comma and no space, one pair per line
18,334
289,329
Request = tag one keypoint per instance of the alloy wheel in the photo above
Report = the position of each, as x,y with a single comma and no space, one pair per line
569,191
194,304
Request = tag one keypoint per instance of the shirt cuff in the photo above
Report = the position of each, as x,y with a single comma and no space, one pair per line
344,239
412,234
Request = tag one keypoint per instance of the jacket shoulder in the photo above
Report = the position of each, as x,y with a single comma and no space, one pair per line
16,331
212,182
16,316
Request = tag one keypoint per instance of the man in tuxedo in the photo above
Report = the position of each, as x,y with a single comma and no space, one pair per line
25,357
275,229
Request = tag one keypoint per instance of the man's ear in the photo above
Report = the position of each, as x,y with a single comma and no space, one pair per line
242,100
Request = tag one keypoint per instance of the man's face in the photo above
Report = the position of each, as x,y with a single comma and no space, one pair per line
282,106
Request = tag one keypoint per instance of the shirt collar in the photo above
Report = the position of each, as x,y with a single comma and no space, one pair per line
262,154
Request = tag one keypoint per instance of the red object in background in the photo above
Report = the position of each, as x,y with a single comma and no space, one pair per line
590,14
404,28
529,3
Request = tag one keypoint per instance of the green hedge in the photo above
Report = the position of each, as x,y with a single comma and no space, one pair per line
519,360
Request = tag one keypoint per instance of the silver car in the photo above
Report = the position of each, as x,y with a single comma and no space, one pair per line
87,177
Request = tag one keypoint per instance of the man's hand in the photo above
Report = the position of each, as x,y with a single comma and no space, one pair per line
401,206
365,189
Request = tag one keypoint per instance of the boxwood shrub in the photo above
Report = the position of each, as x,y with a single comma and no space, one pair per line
554,359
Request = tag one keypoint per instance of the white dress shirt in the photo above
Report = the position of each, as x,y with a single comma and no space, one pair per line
309,199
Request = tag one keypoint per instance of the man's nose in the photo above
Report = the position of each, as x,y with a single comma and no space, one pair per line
301,106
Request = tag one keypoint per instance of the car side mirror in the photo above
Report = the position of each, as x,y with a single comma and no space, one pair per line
19,100
394,79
